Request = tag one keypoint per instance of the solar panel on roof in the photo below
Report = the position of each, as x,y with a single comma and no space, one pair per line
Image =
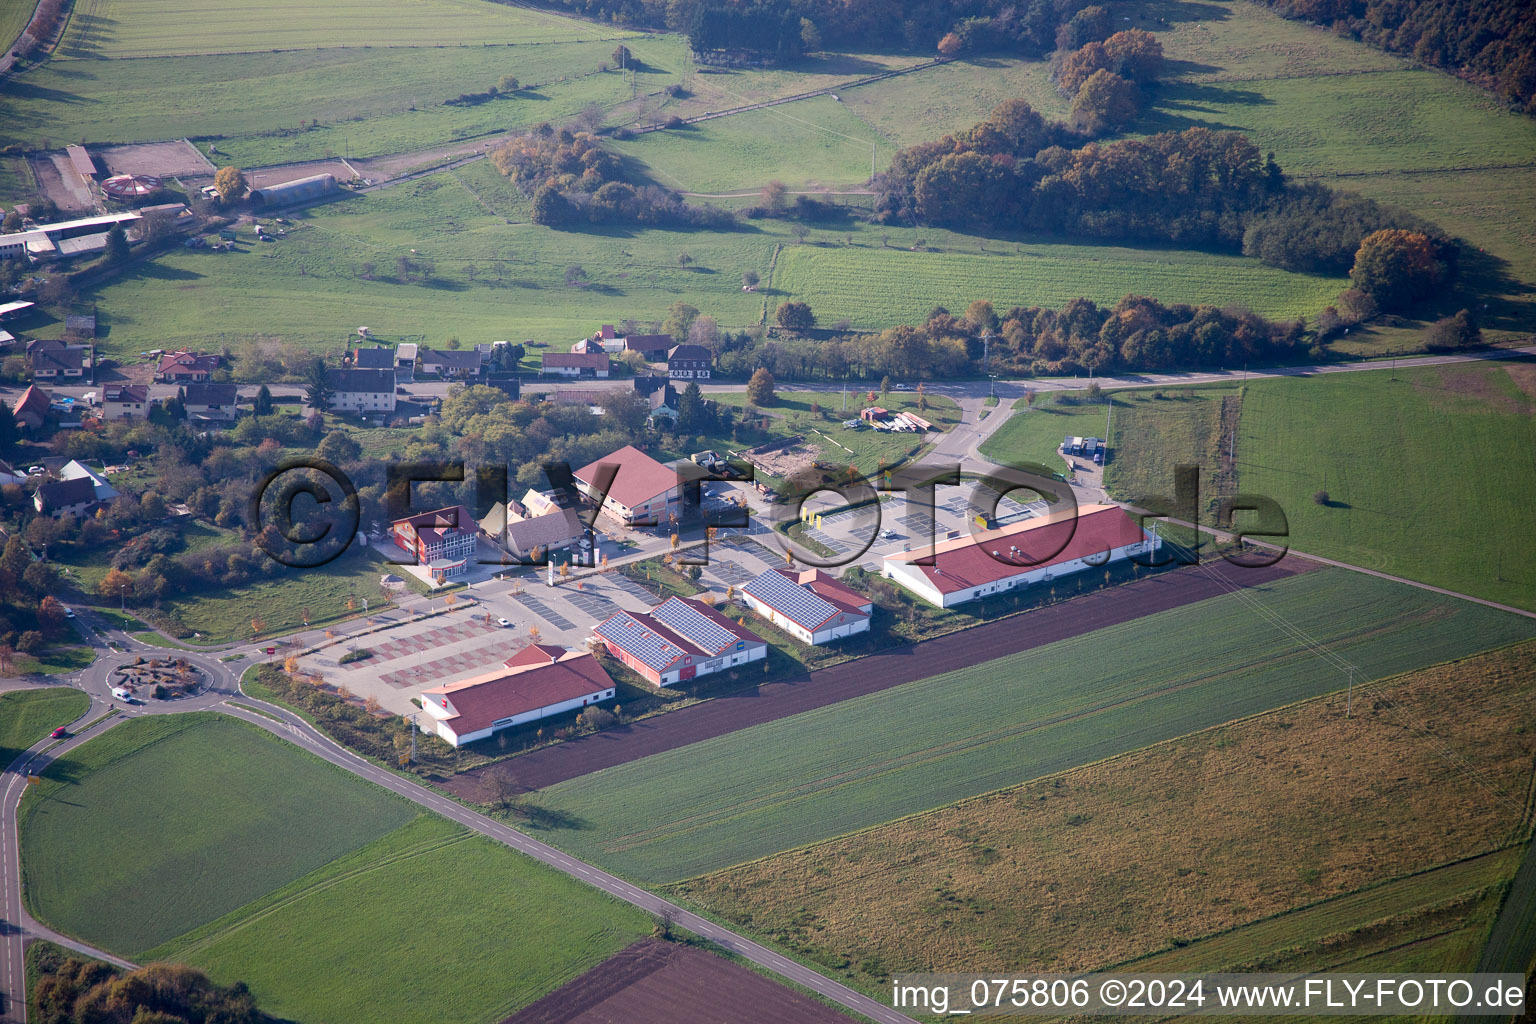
801,605
693,624
644,644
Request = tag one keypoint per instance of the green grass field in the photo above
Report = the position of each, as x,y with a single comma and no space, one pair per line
27,716
14,15
814,142
366,101
1430,476
928,743
155,28
506,930
163,824
1034,432
876,287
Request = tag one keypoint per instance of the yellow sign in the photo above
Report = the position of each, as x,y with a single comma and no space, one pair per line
33,780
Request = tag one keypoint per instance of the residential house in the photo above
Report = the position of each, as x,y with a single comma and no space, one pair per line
75,470
588,346
186,367
443,540
689,362
452,364
596,400
539,681
641,489
663,405
1030,551
575,364
64,499
362,391
650,346
10,475
375,358
533,529
125,401
32,408
211,403
53,360
678,640
809,605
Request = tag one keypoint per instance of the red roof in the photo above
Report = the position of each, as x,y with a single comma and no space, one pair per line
547,676
33,400
968,562
829,589
640,477
430,526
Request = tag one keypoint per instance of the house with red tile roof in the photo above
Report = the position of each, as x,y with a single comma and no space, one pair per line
678,640
32,408
1027,552
186,367
537,682
642,489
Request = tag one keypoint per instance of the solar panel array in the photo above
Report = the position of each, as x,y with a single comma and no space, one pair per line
634,633
694,624
777,591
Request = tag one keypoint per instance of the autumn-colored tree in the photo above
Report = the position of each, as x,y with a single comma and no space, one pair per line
1104,101
760,387
114,583
231,184
290,666
773,196
258,625
1396,267
371,705
950,44
533,633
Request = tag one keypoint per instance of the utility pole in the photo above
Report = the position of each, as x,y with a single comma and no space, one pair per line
1349,699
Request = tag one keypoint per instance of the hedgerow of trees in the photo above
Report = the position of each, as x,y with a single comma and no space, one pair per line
1108,80
71,990
1490,42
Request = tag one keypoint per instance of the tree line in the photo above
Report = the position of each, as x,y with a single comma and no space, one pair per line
788,28
1491,42
71,990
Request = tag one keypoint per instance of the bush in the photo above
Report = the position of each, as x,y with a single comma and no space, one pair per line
352,657
1320,498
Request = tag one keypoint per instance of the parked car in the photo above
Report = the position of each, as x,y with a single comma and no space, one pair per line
902,387
59,733
504,622
1098,457
69,613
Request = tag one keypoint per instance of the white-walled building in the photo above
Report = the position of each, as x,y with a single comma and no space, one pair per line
678,640
809,605
539,681
643,489
362,391
1020,554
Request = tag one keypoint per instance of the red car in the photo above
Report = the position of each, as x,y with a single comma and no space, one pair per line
59,733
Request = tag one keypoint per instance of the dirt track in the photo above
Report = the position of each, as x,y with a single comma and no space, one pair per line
549,765
663,982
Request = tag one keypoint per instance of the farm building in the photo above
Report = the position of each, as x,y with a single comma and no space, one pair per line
362,391
1030,551
376,357
575,364
11,310
643,490
64,239
678,640
443,540
808,605
131,188
300,190
82,163
124,401
539,681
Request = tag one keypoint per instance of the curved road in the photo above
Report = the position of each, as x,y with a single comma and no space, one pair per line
17,926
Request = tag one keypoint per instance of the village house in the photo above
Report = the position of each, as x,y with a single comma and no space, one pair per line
689,362
186,367
125,402
211,403
53,360
32,408
362,391
575,364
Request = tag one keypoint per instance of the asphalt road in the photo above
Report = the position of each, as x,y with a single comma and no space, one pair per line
1006,389
18,927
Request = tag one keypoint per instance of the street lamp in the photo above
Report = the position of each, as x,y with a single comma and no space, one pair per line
992,387
122,597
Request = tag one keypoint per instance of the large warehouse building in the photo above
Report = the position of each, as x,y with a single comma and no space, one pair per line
678,640
539,681
1020,554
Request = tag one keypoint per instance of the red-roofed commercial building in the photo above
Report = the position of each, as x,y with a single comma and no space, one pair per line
808,604
1030,551
443,541
539,681
644,489
678,640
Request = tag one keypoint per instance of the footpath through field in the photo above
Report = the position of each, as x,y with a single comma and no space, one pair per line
904,664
